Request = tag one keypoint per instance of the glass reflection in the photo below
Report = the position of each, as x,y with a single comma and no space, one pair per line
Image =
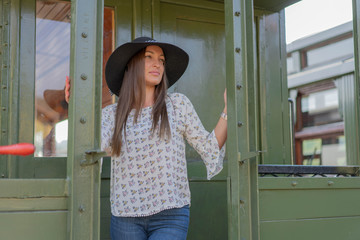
52,67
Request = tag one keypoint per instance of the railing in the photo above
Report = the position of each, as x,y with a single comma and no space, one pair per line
308,171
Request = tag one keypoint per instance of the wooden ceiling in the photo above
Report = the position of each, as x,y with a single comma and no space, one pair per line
58,11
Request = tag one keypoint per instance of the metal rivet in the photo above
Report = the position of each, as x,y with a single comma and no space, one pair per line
4,66
240,124
237,50
330,183
84,34
83,76
4,86
237,14
3,108
238,86
83,120
294,183
5,44
3,131
242,201
81,208
2,175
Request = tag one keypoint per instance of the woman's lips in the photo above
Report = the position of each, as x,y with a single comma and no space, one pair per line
154,73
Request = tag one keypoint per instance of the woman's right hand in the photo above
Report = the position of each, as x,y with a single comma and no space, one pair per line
67,89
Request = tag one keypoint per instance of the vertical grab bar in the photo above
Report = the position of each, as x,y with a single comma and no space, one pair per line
293,157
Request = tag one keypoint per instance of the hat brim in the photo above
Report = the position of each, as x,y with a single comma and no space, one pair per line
176,62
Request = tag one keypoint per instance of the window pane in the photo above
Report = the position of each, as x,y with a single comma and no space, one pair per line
52,67
328,151
321,108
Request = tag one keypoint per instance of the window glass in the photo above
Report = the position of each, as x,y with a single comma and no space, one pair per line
52,67
321,108
334,51
329,151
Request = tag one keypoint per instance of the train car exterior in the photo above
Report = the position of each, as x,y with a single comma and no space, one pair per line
237,44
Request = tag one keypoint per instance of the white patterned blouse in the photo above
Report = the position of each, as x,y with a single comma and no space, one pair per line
150,175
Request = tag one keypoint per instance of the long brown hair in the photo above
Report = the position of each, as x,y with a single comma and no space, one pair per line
132,95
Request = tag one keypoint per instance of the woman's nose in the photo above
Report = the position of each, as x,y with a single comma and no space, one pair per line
157,63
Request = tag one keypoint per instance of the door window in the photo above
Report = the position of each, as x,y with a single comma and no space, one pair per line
52,68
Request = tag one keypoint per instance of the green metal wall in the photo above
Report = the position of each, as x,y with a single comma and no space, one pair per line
273,90
309,208
345,85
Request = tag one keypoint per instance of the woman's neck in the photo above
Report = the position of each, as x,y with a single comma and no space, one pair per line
149,96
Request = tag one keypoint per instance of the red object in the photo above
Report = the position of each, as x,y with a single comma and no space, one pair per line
22,149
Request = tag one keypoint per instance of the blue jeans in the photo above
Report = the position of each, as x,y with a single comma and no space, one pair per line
168,224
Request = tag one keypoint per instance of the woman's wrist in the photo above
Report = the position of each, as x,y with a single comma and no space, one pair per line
223,115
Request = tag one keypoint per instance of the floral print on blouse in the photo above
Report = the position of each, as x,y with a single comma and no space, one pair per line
150,175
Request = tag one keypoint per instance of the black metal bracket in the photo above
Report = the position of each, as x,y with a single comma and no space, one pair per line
301,170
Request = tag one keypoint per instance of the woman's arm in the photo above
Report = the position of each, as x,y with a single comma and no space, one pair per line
221,126
106,124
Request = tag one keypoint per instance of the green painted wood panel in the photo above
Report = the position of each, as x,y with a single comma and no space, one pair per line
33,204
200,33
33,225
199,30
356,88
22,166
273,97
86,44
241,73
208,211
345,85
307,204
9,80
344,228
4,89
105,209
25,188
309,208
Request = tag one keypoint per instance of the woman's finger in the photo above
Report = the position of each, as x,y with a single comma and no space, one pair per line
67,89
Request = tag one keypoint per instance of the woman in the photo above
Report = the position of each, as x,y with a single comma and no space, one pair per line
144,133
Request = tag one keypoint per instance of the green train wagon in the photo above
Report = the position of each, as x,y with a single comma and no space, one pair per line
237,44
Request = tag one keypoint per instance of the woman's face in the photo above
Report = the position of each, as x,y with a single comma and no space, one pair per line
154,65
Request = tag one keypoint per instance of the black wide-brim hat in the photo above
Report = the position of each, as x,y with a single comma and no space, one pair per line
176,61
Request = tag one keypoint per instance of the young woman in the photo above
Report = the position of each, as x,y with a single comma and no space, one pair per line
144,133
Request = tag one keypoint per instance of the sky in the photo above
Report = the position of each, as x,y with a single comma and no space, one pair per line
308,17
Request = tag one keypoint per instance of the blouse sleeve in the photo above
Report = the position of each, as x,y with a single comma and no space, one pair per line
107,127
202,141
